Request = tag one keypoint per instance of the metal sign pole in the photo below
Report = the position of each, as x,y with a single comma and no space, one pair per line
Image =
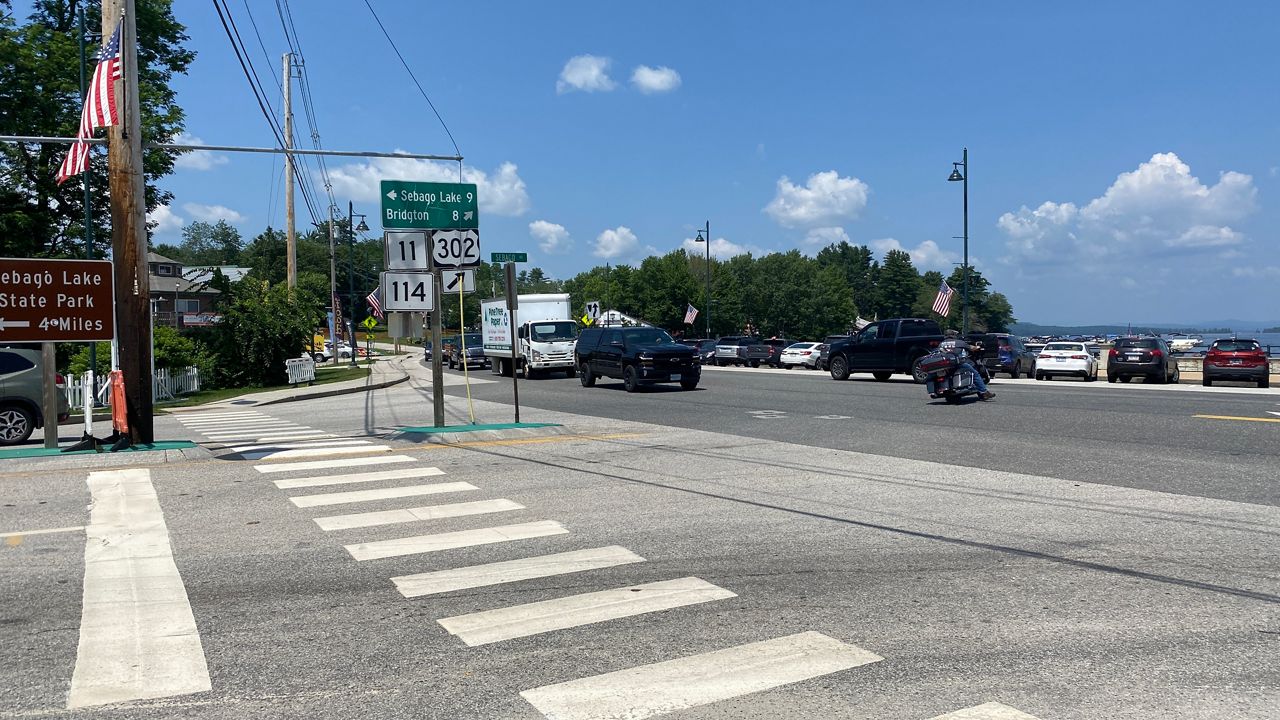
437,361
50,398
512,302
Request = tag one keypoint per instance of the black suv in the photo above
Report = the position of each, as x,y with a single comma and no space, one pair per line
1002,352
776,345
638,356
1149,357
475,351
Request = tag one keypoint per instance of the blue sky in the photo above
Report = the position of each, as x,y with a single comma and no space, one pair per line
1125,157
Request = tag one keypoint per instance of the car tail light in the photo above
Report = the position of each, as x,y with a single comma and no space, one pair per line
59,380
1112,353
934,343
807,352
1157,353
1044,356
1079,357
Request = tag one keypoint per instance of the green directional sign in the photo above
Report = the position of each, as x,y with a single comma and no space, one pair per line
425,205
508,257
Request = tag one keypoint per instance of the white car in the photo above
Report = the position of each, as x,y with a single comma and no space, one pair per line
325,354
801,353
1066,358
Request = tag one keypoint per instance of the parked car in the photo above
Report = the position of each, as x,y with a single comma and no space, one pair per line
706,348
1148,357
824,350
22,394
475,351
776,345
741,350
1002,352
637,355
1066,358
325,353
804,354
1236,359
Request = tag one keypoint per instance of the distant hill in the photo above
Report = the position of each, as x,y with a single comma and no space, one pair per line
1029,329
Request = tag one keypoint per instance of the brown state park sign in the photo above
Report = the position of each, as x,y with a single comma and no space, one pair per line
56,300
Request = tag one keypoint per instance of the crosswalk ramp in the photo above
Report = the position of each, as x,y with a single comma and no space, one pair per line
633,693
253,435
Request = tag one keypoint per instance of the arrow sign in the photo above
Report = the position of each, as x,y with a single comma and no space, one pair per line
392,194
13,323
453,280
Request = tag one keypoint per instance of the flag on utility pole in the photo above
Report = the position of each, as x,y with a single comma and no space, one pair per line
375,304
942,303
99,107
690,314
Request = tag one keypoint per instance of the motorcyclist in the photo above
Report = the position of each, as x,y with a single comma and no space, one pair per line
956,345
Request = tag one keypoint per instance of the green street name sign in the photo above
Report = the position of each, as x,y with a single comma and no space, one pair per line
425,205
508,257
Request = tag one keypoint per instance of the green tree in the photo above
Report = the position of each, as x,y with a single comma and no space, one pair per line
665,287
898,284
40,95
262,326
860,270
209,244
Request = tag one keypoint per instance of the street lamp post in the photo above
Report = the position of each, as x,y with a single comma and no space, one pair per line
351,274
960,173
707,299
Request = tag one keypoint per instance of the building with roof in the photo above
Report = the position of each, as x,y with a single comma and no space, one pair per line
181,296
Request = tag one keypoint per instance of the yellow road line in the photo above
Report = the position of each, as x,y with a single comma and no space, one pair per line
1233,417
48,531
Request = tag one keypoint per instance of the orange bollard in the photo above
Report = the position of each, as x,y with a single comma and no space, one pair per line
119,415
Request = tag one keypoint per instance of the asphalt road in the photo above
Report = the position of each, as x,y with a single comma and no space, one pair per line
1129,435
959,579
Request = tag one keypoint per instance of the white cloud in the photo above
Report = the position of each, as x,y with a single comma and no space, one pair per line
650,80
1251,271
825,197
166,221
826,236
197,159
553,239
619,242
721,249
925,256
500,193
212,213
1155,208
588,73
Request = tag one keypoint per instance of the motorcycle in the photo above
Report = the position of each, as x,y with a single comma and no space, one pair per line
949,377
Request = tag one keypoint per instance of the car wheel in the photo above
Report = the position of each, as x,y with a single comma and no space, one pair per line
1111,378
1125,378
1177,376
839,368
1265,382
755,363
689,384
16,424
881,375
526,371
450,363
920,375
630,381
586,377
1207,381
1016,371
1090,376
1039,376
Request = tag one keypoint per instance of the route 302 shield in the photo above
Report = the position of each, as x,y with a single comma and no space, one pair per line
455,248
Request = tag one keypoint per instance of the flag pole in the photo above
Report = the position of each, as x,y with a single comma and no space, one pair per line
129,228
88,194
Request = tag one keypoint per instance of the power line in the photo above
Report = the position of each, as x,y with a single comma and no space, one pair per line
261,44
412,76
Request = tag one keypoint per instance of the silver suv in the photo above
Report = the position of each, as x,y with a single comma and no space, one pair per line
21,393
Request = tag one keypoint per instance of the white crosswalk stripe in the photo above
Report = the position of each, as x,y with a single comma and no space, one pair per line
492,626
313,452
987,711
323,480
665,687
289,445
427,512
447,541
334,463
442,581
351,496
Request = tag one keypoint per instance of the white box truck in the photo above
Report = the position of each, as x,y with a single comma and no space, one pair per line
544,341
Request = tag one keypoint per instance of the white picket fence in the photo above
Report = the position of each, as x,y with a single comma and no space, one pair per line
165,385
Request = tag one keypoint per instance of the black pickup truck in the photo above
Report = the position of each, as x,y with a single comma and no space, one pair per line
638,356
885,347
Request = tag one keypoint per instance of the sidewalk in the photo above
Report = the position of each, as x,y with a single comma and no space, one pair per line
383,372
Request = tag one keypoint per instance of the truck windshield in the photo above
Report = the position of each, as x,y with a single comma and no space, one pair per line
474,339
648,336
553,331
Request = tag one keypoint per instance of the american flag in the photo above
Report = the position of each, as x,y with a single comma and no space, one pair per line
99,106
690,314
375,304
942,303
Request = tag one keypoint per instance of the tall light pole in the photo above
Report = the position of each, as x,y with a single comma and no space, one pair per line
707,300
960,173
351,274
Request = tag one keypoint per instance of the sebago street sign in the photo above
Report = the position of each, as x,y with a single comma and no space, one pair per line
56,300
445,206
508,257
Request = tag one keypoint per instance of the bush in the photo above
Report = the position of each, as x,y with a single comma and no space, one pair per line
261,327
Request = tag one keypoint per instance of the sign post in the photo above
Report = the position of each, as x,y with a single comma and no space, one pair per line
48,301
512,305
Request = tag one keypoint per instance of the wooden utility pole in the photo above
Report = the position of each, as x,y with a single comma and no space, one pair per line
129,228
291,238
